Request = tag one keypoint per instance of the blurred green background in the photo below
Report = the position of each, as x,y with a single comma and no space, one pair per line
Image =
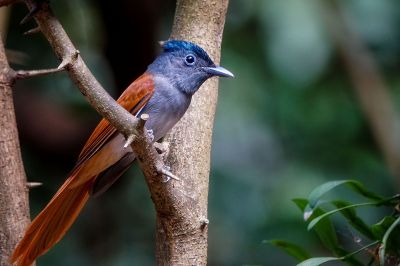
290,120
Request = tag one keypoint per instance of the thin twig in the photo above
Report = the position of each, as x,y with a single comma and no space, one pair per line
35,8
128,125
32,31
63,47
23,74
129,140
177,214
33,184
139,128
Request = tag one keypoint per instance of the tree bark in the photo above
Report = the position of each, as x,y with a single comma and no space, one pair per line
183,241
181,205
14,207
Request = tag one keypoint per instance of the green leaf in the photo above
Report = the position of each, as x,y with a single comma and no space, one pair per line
347,257
320,218
304,206
351,215
293,250
379,229
327,234
317,261
356,186
321,190
301,203
360,189
324,230
382,248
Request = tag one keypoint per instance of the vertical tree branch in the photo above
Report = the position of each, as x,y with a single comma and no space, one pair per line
14,208
370,87
184,242
181,206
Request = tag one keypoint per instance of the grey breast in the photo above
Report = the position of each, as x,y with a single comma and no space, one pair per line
165,108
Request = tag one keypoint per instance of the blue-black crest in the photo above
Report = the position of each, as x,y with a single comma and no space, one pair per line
175,45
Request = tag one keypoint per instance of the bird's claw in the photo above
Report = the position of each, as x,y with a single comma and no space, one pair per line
166,178
167,175
162,148
150,133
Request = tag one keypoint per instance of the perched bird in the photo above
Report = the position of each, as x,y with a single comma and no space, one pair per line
163,92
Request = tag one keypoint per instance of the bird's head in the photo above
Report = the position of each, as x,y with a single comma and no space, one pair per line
186,65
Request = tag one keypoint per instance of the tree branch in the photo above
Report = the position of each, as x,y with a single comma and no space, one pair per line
132,128
369,85
71,60
104,104
182,214
23,74
14,207
181,205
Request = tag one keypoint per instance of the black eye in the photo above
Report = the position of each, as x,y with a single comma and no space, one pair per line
190,60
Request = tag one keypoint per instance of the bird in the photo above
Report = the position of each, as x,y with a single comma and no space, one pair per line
163,92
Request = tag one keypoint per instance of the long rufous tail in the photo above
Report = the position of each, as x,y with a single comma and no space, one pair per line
52,222
103,149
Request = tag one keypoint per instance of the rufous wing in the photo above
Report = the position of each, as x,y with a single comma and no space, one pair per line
132,99
55,219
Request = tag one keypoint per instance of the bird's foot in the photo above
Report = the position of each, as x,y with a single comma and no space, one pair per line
150,133
167,174
162,148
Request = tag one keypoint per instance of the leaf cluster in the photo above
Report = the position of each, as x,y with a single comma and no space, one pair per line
382,247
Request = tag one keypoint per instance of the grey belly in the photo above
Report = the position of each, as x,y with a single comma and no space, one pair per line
161,123
165,109
162,117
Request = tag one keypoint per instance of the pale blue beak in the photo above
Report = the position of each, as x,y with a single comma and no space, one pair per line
218,71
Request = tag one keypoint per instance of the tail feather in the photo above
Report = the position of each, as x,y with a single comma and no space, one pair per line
52,223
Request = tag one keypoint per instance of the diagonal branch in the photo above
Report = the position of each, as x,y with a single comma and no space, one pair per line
181,206
79,73
121,119
132,128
